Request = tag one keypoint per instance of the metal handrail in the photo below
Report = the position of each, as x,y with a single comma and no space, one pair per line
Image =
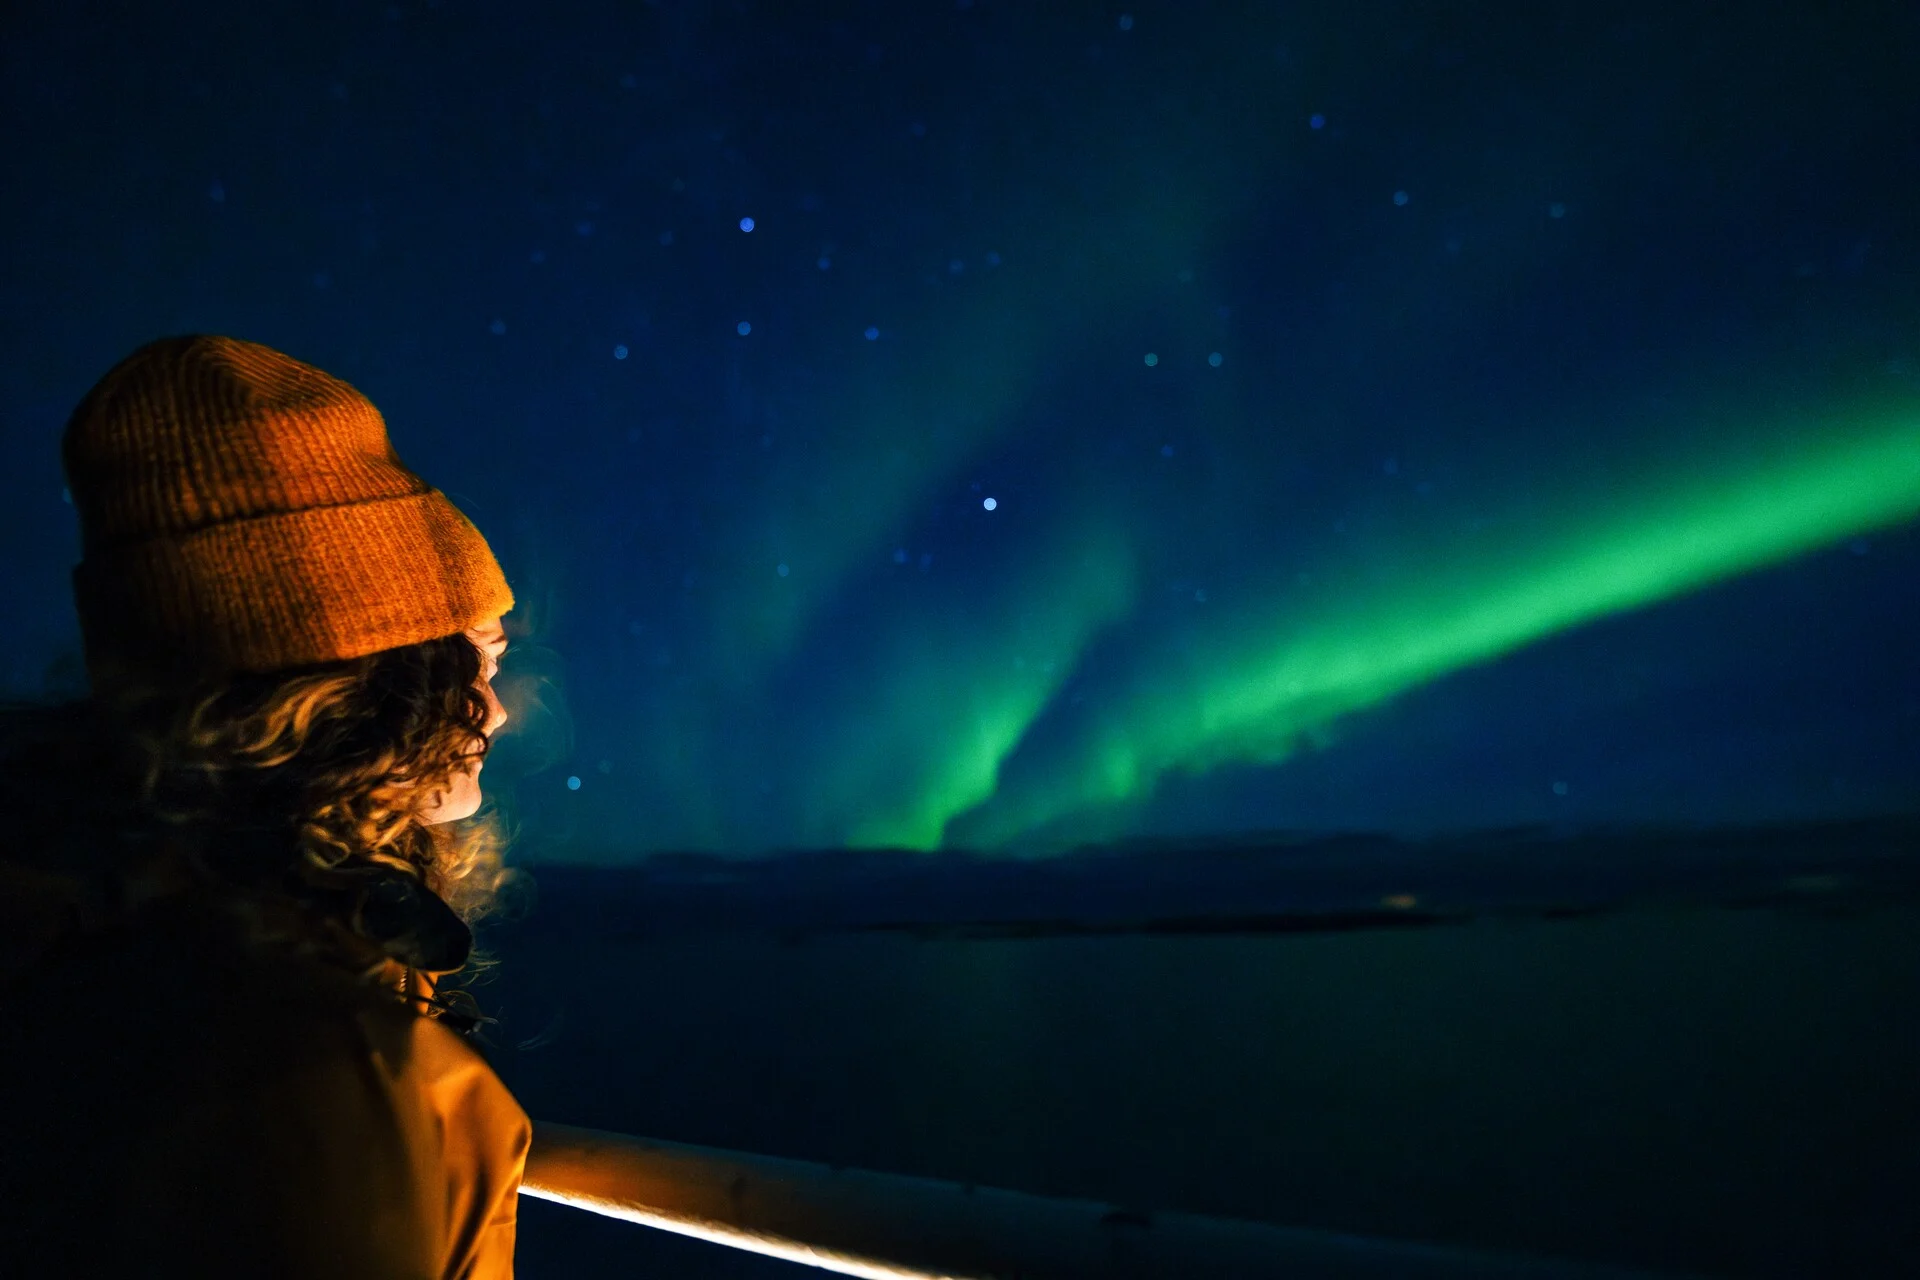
889,1227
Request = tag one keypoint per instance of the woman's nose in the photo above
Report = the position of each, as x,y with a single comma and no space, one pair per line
496,713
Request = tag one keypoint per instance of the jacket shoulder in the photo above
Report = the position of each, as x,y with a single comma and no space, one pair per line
227,1113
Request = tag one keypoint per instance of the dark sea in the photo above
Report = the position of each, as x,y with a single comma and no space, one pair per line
1685,1050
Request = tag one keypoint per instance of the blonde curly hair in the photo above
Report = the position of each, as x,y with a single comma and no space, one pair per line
279,786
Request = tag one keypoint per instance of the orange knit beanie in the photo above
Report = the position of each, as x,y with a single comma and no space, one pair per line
241,511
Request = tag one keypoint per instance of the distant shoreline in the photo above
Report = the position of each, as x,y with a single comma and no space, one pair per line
1266,883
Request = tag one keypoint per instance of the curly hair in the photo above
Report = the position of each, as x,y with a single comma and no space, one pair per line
290,783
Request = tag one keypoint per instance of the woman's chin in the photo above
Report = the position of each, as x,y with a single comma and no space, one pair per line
462,800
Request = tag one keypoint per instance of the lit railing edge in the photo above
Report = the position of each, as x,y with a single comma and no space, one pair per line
894,1227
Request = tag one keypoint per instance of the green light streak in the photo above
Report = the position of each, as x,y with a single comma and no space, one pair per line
930,743
1105,231
1457,607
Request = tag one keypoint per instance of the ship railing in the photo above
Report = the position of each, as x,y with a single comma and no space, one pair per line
890,1227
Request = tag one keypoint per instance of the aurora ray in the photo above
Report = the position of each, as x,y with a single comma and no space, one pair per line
928,737
1678,532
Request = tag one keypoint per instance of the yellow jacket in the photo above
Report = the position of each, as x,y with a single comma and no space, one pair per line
179,1102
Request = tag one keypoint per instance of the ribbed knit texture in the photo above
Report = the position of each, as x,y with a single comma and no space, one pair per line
242,511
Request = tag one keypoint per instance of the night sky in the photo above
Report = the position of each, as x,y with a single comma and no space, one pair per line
1005,424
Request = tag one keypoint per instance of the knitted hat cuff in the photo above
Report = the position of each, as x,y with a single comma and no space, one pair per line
290,589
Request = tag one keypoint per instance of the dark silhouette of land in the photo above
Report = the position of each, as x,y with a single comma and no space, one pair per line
1271,882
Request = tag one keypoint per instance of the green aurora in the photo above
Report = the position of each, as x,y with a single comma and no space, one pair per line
1011,666
1263,688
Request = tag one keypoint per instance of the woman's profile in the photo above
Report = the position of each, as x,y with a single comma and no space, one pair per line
231,876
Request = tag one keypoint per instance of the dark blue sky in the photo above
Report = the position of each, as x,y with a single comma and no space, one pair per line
1393,417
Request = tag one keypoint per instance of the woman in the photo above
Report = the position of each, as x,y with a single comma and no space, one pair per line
227,879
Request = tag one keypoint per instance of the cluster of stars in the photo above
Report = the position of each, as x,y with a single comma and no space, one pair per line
498,327
1214,359
620,352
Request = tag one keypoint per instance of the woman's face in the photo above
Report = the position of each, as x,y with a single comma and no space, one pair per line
462,798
